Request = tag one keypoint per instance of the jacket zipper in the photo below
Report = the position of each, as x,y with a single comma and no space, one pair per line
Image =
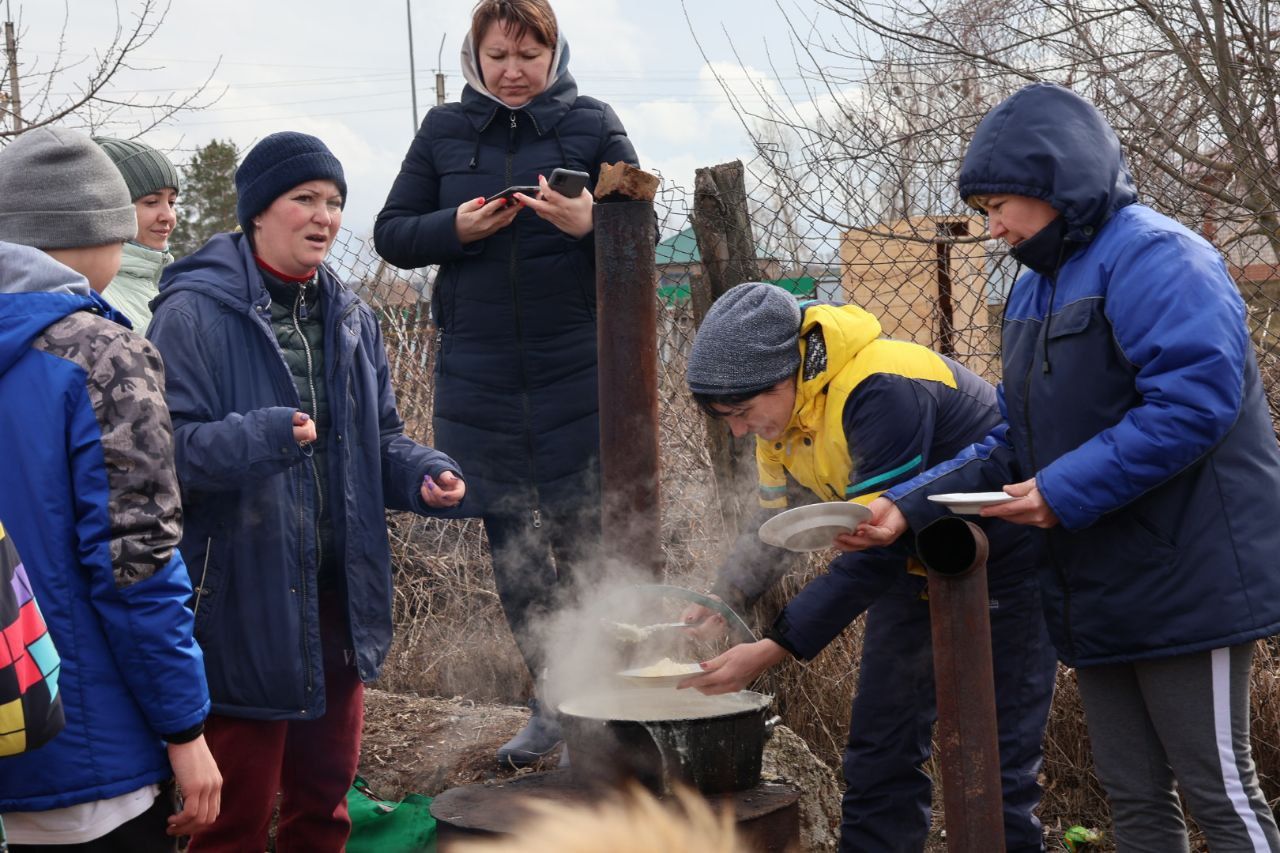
512,274
1031,453
204,572
350,397
315,480
315,412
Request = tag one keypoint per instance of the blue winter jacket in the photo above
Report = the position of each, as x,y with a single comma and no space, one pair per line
249,489
1131,393
89,495
515,384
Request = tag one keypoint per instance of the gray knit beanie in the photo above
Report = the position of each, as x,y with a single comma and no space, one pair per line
145,169
60,191
749,341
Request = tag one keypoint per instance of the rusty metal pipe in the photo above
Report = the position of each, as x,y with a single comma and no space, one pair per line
627,332
955,553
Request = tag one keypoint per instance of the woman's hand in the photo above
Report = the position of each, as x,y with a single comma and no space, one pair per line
304,429
736,668
476,220
446,491
886,524
573,216
1030,508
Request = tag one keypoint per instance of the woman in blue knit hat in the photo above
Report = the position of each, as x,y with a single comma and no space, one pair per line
288,447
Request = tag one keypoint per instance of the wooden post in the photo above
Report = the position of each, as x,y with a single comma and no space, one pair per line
722,227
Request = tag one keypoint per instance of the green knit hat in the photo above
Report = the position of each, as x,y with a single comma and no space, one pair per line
145,169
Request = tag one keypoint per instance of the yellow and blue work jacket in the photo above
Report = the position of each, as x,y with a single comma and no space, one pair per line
870,413
867,411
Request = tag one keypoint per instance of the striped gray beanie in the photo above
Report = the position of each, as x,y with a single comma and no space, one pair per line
144,169
749,341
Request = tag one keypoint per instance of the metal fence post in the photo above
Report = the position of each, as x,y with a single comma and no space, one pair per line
955,553
627,330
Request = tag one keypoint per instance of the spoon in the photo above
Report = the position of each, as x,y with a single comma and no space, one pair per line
635,633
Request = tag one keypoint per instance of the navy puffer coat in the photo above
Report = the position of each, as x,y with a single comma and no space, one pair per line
1132,395
516,397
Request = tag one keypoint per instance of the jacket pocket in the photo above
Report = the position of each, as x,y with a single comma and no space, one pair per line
1074,318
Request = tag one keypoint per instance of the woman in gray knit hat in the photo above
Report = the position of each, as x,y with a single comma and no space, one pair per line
154,185
845,413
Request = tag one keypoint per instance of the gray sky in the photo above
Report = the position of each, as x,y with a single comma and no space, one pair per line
340,70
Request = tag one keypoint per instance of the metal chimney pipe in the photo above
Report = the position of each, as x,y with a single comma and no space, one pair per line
955,553
627,332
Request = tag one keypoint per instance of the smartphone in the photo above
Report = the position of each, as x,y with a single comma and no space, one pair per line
510,191
568,182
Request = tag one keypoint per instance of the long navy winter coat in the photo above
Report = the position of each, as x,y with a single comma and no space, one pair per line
1131,393
516,397
248,488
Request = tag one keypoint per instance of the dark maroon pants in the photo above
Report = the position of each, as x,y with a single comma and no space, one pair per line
311,763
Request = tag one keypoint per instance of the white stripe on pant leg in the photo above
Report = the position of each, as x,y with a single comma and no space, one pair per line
1221,666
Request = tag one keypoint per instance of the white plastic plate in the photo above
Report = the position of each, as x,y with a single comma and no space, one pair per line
640,678
813,527
968,503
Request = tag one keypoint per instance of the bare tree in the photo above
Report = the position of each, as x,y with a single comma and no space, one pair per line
871,138
88,93
891,92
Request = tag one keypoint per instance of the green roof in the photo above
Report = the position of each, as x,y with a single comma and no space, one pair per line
804,286
682,248
679,248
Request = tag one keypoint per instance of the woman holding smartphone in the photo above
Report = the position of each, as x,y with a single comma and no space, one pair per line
514,306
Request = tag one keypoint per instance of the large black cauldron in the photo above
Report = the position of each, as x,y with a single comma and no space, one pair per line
659,737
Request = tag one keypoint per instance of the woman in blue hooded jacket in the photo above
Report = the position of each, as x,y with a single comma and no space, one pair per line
1136,435
513,305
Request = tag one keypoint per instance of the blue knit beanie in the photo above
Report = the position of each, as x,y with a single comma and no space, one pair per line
749,341
276,165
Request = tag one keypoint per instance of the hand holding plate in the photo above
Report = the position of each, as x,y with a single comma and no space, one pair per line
736,668
883,528
1029,506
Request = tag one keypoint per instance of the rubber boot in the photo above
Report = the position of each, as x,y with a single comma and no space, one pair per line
539,736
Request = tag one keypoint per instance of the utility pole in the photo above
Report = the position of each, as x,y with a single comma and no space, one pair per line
11,51
413,74
440,72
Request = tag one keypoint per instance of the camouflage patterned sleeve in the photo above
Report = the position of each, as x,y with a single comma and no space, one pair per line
127,390
124,378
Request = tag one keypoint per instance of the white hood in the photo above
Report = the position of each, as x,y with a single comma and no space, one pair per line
471,67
